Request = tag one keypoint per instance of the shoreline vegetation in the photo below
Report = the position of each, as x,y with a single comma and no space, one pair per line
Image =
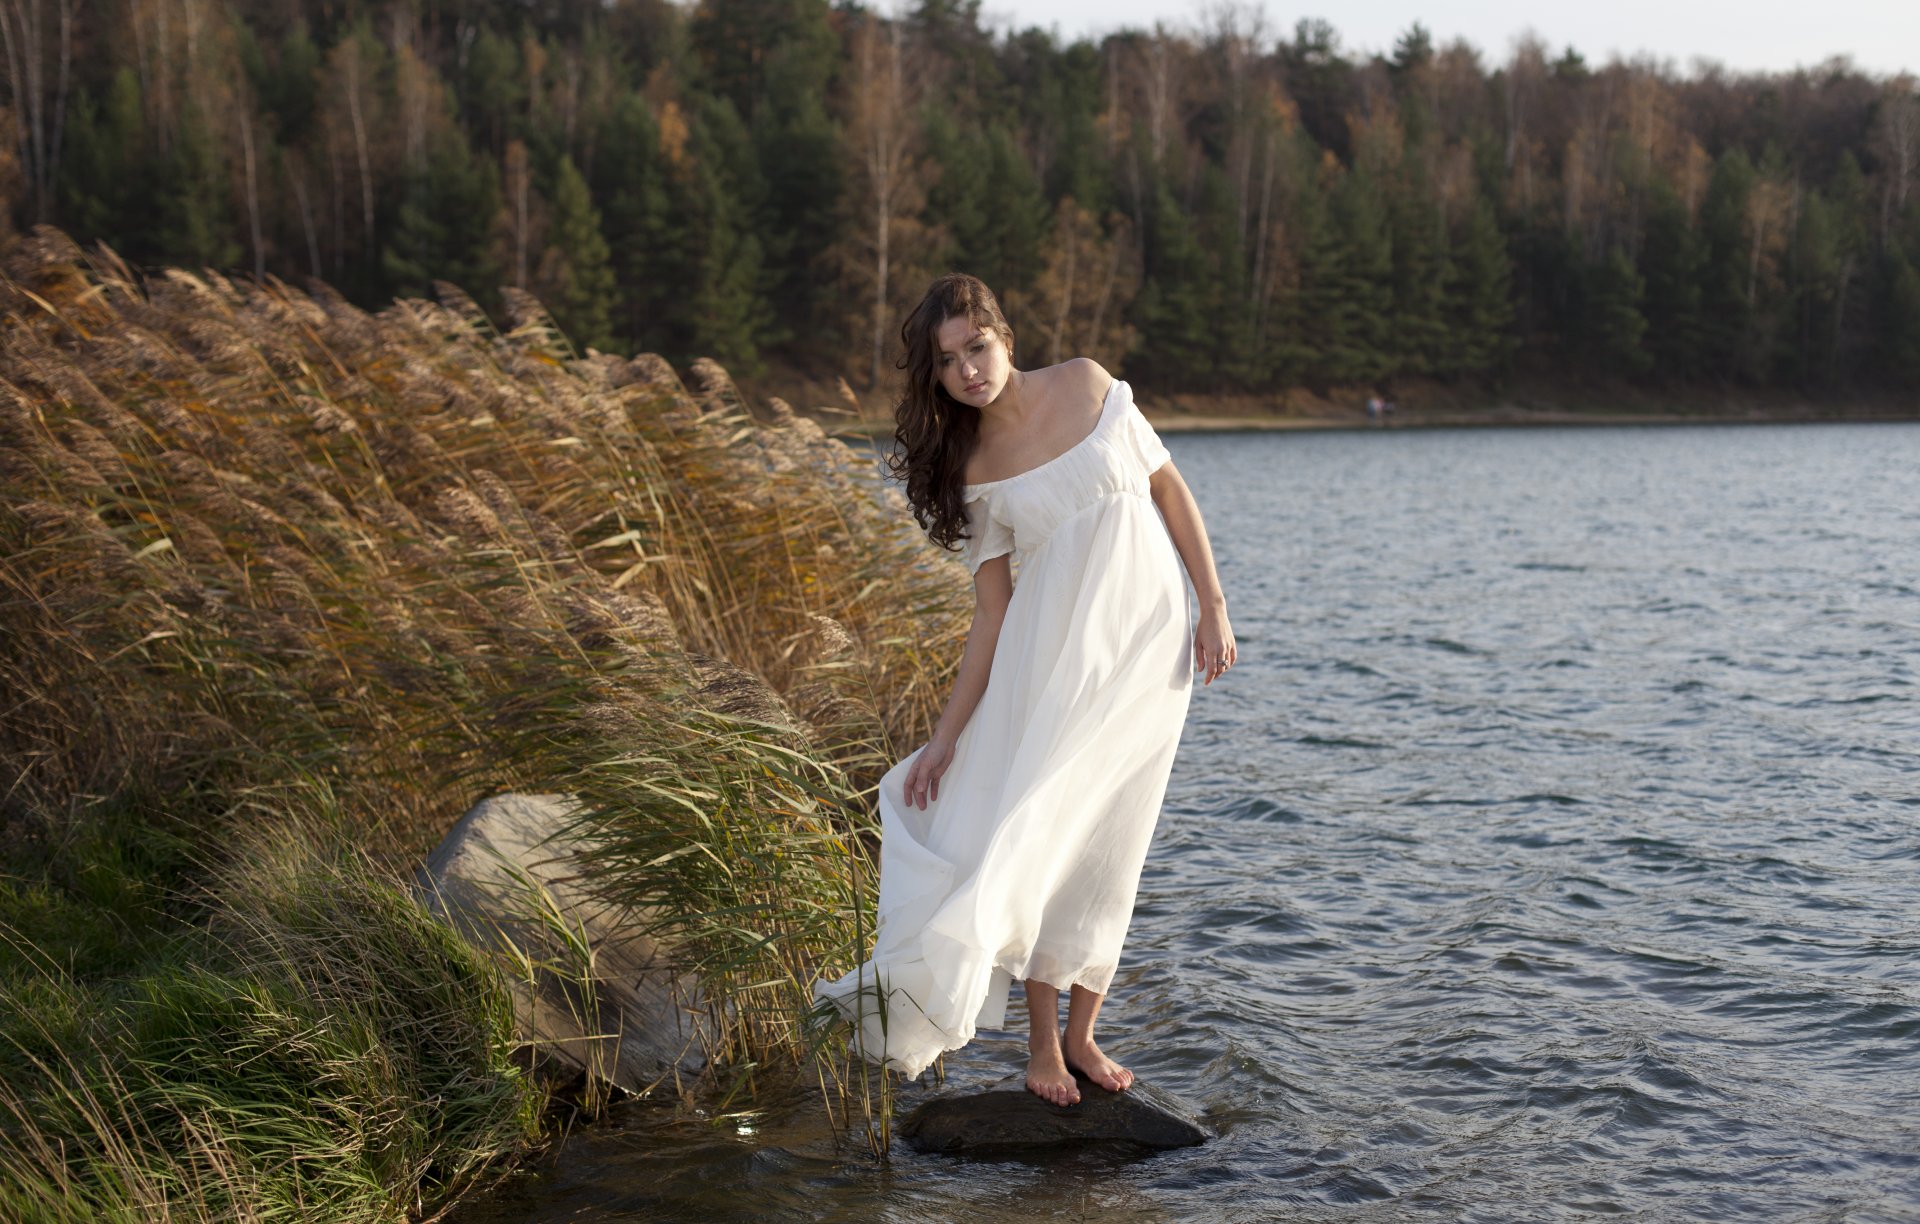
1222,203
286,586
1421,405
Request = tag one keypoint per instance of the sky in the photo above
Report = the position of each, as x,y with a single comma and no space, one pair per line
1882,37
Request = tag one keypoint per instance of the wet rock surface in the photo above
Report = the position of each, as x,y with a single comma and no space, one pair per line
1004,1117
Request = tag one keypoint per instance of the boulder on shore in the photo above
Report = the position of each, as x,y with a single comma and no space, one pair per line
506,878
1004,1117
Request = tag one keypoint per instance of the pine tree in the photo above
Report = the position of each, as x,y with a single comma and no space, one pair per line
1852,212
1479,301
1814,268
1726,308
645,213
1353,284
1232,340
798,145
1420,333
1170,314
1611,324
988,201
576,281
439,231
1675,260
194,223
1898,312
106,170
730,311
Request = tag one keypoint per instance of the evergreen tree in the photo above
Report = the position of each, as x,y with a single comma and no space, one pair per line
1231,339
1067,104
1806,351
1612,325
440,228
798,146
1171,312
730,311
646,213
1478,295
987,200
104,189
1675,260
1726,304
494,91
1852,211
194,222
774,62
1420,332
1358,284
575,275
1898,311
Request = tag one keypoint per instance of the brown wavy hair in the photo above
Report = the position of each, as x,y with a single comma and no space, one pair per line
933,433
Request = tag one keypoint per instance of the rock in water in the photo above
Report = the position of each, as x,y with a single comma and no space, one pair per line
1005,1117
629,1020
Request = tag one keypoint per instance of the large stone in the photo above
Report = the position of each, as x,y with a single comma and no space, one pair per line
1004,1117
625,1018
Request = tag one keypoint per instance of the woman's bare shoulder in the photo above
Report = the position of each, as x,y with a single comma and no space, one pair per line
1082,372
1091,370
1068,386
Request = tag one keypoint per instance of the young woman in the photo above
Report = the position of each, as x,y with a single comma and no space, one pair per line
1012,841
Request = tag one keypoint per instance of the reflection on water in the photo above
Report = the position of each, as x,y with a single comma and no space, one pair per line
1553,851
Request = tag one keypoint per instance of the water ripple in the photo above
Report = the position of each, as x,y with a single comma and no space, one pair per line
1550,854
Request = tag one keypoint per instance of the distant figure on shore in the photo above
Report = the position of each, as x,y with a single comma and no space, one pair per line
1375,406
1012,841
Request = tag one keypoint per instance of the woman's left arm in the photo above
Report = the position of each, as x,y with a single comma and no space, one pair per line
1213,647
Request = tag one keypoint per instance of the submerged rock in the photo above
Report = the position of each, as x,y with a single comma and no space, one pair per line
1004,1117
508,879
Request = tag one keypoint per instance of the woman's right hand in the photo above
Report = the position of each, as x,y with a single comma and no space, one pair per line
923,776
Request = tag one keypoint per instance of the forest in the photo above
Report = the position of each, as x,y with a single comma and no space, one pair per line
1215,208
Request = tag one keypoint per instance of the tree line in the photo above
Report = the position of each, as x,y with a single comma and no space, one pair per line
1220,209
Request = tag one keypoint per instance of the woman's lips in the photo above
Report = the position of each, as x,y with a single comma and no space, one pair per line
971,387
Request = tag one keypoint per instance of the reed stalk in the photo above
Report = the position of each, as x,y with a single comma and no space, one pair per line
271,562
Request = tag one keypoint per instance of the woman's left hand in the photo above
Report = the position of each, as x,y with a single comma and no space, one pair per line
1213,647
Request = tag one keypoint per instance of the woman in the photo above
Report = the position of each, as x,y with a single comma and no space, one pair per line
1012,841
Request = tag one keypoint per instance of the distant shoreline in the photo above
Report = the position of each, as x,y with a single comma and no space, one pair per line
1180,422
1530,399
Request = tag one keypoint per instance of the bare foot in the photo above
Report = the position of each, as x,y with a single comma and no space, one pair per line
1097,1066
1048,1077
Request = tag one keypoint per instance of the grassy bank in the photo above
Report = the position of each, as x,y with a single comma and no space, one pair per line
284,588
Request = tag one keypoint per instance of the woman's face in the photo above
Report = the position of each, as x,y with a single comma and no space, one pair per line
972,362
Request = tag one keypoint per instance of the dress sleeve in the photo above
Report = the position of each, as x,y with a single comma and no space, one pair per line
987,536
1146,443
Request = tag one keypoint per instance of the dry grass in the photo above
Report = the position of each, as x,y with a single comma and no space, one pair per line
265,555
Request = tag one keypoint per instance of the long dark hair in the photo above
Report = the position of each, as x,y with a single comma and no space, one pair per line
933,433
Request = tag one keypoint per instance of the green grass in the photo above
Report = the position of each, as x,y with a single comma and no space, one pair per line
295,1037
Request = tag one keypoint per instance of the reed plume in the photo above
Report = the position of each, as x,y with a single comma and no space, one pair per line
267,556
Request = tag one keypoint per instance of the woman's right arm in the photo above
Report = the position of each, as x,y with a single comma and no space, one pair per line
992,589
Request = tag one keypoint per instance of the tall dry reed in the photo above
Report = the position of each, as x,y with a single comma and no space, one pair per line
256,543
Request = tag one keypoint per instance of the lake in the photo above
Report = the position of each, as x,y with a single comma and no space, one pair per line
1553,852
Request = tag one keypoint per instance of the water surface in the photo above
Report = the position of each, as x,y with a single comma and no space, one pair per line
1553,852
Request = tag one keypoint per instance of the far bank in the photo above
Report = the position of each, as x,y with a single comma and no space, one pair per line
1414,405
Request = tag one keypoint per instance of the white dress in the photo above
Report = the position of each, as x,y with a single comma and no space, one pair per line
1027,864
